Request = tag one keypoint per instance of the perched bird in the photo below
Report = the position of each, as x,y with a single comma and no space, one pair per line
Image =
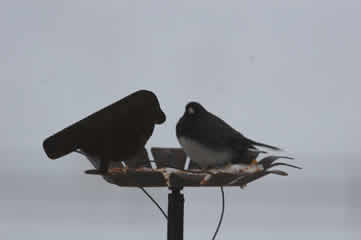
210,142
115,133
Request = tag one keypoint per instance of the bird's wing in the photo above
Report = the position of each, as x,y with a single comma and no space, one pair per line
226,135
239,143
235,139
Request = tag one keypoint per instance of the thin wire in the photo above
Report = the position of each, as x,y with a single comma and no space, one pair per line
141,188
165,215
155,202
221,218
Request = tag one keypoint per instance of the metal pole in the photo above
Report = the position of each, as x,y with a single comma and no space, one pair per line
175,214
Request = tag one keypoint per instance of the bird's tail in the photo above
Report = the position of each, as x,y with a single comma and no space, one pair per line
263,145
61,143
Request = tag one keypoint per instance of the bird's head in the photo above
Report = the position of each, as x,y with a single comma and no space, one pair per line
194,109
147,103
193,114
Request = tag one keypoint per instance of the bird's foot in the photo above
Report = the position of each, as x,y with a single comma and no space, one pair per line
121,169
254,165
254,162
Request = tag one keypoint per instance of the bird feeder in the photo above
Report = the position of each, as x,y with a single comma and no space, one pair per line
170,170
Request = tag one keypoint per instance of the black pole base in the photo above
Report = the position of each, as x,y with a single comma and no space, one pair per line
175,214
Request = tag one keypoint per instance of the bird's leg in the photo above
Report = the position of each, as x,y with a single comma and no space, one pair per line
104,166
255,164
101,165
138,160
123,165
122,168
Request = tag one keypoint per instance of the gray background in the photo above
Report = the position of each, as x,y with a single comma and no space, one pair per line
282,72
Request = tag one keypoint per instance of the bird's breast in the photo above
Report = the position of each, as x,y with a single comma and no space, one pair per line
203,156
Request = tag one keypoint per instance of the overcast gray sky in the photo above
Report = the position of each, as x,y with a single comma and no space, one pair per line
283,72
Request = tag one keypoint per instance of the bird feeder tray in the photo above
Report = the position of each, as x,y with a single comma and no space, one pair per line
170,171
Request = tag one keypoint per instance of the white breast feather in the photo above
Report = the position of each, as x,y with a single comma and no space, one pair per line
203,156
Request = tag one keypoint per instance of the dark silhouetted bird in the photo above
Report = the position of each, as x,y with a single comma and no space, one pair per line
115,133
211,142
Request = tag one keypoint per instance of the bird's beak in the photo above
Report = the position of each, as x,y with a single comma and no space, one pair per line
161,117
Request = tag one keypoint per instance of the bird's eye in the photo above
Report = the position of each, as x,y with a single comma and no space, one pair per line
190,110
